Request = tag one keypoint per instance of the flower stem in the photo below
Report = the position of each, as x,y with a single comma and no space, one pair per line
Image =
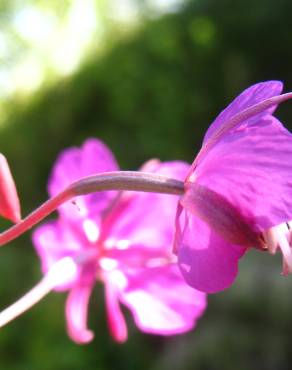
120,180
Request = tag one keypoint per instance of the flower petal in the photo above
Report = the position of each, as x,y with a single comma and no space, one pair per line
76,314
74,163
250,168
207,261
145,219
161,302
251,96
54,241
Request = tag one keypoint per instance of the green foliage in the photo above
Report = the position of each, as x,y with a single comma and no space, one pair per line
152,95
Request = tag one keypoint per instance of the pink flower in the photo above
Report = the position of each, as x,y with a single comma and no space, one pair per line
238,193
122,239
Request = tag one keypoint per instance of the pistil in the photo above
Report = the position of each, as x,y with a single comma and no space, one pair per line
62,272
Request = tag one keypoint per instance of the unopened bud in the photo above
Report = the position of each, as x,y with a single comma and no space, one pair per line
9,202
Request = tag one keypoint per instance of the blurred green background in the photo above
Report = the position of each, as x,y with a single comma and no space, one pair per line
147,77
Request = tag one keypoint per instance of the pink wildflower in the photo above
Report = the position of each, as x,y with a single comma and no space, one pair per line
122,239
238,193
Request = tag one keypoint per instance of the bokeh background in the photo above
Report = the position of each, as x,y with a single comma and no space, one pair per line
147,77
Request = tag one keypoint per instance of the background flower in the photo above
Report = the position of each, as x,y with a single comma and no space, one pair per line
124,240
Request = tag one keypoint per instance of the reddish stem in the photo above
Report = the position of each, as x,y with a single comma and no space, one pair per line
120,180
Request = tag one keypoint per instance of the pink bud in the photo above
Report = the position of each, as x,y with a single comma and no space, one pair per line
9,202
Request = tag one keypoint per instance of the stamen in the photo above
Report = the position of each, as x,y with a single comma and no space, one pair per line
279,237
287,255
271,237
64,271
116,321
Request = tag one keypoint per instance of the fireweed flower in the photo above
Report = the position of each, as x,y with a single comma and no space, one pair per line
238,193
122,239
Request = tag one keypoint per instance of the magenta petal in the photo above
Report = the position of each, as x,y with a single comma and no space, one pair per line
145,219
76,314
251,96
207,262
54,241
250,168
137,255
74,163
161,302
175,169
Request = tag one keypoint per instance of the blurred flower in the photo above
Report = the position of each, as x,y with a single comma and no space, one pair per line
238,191
122,239
9,202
